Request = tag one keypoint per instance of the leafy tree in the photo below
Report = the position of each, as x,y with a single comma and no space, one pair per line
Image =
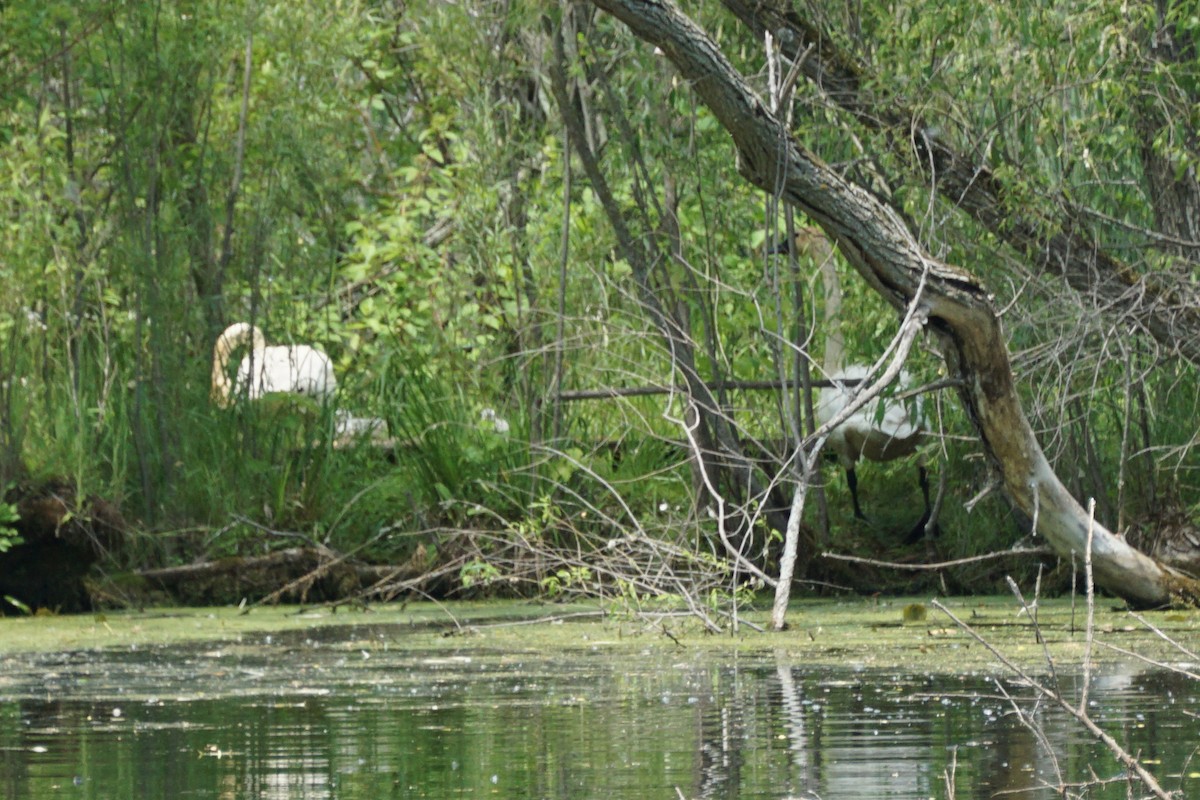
527,210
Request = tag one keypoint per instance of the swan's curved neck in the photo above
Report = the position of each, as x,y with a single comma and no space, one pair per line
233,337
812,243
835,343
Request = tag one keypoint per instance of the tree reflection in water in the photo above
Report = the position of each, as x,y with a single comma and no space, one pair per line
356,719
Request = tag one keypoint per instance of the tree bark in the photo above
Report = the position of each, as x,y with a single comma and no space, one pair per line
879,245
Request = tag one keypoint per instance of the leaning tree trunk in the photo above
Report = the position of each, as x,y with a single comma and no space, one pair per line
1164,304
876,241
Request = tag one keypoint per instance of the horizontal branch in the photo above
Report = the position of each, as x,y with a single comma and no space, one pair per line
939,565
713,386
740,386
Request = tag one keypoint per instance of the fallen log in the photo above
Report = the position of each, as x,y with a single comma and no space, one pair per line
297,574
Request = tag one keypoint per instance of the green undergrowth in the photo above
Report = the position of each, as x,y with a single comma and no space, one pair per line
904,634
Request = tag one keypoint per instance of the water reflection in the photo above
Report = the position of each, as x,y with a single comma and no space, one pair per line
363,717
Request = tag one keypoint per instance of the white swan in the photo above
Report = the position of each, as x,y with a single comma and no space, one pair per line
882,430
296,369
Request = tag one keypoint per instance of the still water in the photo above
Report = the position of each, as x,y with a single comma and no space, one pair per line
354,714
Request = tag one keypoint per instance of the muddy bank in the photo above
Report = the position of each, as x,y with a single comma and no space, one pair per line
62,537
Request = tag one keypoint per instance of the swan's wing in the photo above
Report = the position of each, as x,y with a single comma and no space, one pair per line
299,369
881,430
897,419
310,371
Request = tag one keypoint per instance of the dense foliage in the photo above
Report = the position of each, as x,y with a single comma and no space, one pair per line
394,183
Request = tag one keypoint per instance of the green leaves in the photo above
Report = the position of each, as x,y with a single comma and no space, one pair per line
9,537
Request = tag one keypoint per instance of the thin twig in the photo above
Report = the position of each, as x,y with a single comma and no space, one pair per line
1152,662
1089,640
238,157
1080,714
734,553
1032,614
1158,632
1029,721
958,562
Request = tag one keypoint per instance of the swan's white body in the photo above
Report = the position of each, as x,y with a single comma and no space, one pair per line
882,430
295,369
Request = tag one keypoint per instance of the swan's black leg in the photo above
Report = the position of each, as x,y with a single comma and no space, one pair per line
852,482
918,531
